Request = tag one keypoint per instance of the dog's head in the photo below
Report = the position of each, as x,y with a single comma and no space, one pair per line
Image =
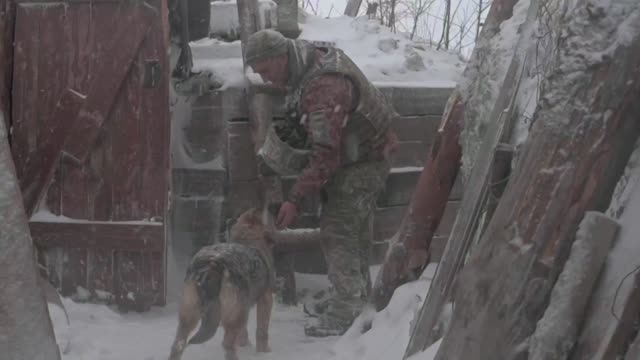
252,228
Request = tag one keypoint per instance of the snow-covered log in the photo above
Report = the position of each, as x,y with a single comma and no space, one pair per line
585,125
611,319
497,110
558,329
26,332
408,252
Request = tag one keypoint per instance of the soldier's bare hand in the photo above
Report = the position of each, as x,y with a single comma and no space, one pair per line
286,215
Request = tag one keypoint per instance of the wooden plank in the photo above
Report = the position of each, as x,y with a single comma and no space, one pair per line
74,271
74,195
387,220
100,273
410,154
614,305
561,321
123,48
473,201
420,101
35,180
401,184
98,235
416,128
533,227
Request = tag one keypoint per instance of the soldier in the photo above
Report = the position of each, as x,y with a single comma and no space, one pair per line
349,123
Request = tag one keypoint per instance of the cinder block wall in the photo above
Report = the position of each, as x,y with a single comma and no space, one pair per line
220,181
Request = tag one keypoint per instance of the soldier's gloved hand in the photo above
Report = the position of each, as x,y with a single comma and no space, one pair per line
286,215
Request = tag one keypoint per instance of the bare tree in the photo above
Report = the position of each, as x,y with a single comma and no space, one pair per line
416,9
446,26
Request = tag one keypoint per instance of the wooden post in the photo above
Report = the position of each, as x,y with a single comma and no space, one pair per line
585,123
408,252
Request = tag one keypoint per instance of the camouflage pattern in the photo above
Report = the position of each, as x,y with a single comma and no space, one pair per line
349,122
369,113
346,222
248,269
347,118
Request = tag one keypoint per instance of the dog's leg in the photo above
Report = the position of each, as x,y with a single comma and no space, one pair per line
243,336
229,342
233,315
263,312
188,318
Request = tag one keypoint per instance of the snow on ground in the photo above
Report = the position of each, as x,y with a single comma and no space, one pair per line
383,55
97,332
385,58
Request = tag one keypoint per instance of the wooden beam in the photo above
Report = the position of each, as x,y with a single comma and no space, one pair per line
103,235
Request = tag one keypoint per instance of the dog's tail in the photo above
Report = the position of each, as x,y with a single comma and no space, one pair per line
189,315
209,292
208,324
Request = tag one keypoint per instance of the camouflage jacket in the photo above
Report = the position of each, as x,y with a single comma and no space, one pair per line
348,119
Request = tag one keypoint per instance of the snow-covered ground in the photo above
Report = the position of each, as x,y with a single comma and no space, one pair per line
385,58
97,332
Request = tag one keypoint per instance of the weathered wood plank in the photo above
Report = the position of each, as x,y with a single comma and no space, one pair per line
101,95
410,154
614,306
559,177
98,235
35,180
558,329
154,120
473,201
387,220
416,128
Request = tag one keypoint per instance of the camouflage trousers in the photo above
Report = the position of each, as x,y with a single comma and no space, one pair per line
347,226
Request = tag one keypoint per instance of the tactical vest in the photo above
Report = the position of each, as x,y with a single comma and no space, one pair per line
365,132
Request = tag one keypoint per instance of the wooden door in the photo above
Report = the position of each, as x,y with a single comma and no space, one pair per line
90,141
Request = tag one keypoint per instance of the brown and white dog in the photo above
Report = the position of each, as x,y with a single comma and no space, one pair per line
224,281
